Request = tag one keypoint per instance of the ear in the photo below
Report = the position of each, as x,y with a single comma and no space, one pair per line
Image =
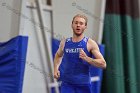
86,27
71,25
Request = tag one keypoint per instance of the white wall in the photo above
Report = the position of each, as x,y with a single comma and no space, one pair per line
9,19
64,10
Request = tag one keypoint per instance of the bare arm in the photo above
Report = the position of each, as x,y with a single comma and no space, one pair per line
58,59
99,61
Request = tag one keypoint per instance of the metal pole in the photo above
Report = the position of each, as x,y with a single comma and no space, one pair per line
48,53
100,36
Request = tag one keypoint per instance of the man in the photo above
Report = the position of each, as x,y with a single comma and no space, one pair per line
77,51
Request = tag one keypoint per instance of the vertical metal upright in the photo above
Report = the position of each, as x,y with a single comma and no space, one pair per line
101,20
44,36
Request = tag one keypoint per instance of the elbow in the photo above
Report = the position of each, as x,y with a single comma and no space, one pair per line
104,65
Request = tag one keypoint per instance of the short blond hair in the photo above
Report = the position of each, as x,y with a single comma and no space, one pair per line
81,16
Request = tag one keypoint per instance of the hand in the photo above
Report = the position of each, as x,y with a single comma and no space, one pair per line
57,74
82,54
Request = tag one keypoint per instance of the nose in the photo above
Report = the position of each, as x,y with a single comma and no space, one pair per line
78,25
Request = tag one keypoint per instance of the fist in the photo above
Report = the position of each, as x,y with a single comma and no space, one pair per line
57,74
82,54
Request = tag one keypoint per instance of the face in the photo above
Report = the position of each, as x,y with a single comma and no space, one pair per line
78,26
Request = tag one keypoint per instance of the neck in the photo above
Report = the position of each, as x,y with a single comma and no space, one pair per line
76,38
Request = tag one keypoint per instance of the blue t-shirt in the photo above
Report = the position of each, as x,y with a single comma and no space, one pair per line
75,70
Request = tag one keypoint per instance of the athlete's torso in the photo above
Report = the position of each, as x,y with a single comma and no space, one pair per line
76,70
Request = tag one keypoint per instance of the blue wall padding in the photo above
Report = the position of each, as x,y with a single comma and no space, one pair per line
12,64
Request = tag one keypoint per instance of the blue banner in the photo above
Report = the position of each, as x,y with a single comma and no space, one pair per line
12,64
